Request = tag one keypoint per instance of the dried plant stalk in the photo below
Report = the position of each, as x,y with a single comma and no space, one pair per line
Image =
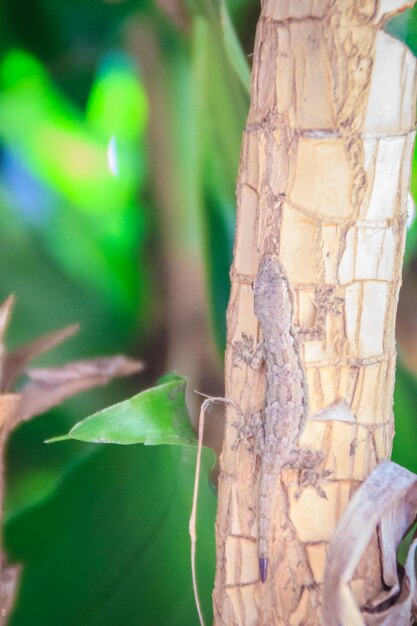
9,404
323,182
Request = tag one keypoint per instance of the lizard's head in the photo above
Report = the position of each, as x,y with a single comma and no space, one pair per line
269,274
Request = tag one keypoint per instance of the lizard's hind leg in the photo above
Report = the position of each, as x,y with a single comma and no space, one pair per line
311,475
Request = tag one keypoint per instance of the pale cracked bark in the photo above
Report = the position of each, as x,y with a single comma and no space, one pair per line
323,180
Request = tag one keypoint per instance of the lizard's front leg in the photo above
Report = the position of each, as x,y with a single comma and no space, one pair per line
244,350
251,427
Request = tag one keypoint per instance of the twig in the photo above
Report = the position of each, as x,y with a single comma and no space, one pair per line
192,524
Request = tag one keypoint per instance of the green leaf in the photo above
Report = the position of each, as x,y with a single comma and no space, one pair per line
233,48
405,398
156,416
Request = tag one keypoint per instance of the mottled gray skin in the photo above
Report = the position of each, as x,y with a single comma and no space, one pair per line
286,399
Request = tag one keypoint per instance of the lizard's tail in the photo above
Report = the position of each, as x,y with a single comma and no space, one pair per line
267,484
263,567
265,510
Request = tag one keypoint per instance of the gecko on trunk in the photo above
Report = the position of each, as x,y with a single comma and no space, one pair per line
278,428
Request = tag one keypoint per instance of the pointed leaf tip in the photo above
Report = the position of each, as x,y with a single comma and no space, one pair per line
59,438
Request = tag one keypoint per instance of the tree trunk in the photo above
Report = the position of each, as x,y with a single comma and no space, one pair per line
323,182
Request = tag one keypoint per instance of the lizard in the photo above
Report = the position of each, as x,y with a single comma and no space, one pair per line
278,428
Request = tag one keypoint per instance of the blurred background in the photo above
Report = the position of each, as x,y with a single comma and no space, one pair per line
120,130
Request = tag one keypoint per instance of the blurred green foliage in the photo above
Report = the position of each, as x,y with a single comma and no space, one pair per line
111,546
404,27
102,531
84,171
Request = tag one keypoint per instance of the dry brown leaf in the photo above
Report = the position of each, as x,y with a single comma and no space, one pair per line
400,613
16,361
106,366
386,501
5,314
6,309
48,387
9,575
